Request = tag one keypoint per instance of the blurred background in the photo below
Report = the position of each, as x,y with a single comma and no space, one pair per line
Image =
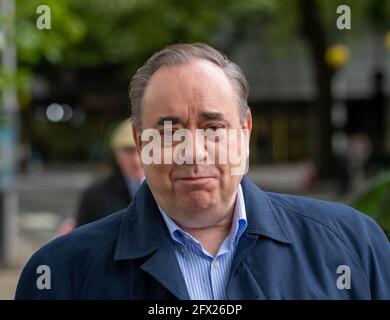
319,99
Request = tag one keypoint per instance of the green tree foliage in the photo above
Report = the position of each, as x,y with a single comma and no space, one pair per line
34,44
96,32
374,200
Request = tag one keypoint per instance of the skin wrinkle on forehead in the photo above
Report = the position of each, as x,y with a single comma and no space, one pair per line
177,94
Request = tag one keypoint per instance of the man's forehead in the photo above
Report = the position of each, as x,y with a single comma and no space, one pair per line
193,89
198,79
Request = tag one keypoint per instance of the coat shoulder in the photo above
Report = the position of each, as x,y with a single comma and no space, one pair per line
68,256
324,220
331,215
342,230
94,237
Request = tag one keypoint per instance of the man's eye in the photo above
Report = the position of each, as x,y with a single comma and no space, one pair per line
214,128
167,133
213,133
168,138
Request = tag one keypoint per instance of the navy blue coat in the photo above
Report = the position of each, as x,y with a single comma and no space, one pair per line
291,249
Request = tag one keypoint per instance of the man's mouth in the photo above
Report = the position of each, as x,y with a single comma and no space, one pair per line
195,179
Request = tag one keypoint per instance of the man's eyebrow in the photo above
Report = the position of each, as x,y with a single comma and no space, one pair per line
173,119
212,115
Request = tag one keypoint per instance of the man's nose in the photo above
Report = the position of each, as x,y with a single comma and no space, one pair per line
196,152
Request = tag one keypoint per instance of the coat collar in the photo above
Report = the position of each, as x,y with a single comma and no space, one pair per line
143,231
261,213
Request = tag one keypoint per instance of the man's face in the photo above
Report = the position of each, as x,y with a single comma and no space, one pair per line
197,95
129,163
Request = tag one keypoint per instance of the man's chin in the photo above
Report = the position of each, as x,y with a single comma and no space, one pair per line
196,202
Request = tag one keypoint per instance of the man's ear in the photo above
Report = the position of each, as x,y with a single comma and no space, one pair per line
247,124
137,139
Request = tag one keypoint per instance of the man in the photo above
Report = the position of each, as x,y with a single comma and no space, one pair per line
197,229
117,190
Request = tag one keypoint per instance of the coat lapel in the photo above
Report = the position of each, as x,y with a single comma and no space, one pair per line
262,224
143,235
242,285
163,266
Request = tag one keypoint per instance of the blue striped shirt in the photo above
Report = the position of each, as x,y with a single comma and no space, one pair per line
206,276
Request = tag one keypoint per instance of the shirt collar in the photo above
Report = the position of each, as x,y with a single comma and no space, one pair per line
135,182
239,224
133,185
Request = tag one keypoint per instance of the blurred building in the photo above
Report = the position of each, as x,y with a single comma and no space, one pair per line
283,92
282,101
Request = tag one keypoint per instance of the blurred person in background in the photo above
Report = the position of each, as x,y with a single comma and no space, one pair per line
115,191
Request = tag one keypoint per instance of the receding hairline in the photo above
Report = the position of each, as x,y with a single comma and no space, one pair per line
193,61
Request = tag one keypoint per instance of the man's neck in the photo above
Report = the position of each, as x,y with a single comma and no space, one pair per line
212,237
